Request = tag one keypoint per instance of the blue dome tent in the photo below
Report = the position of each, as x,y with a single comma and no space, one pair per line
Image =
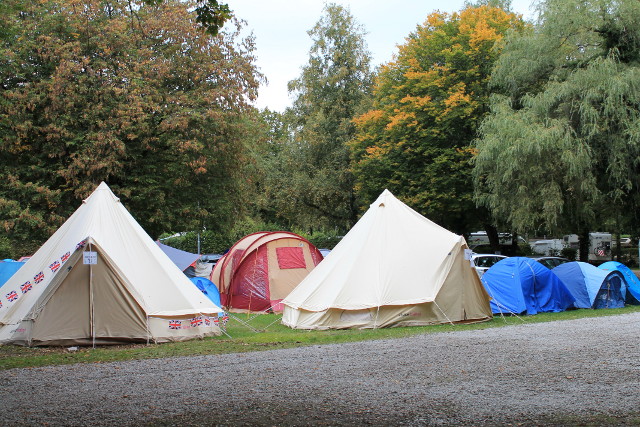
7,268
208,288
592,287
632,281
518,284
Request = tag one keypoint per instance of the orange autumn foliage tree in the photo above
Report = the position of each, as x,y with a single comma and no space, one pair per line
429,101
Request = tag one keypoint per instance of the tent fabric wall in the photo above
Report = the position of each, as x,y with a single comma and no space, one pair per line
591,286
134,292
261,269
393,268
518,285
633,283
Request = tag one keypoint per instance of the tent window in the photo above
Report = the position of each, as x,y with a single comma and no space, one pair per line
290,258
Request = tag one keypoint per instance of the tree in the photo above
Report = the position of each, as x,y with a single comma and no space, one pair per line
91,93
328,94
417,138
211,14
561,148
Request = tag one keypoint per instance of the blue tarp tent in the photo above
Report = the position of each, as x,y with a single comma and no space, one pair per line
208,288
7,268
518,284
182,259
592,287
633,283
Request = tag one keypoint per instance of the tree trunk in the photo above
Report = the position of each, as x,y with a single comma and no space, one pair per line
513,251
494,240
618,253
584,245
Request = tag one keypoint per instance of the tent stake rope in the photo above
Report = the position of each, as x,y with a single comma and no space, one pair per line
502,313
279,317
242,322
225,332
442,311
264,312
500,305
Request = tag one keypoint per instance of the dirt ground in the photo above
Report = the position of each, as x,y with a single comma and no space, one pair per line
573,372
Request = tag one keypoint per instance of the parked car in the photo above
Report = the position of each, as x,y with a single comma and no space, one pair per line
483,262
551,261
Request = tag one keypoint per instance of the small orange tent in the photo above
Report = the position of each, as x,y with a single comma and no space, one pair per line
261,269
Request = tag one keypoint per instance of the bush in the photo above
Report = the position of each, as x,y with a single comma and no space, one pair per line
323,239
6,251
219,242
569,253
210,242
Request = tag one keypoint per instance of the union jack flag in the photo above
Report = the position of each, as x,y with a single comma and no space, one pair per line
207,321
55,266
0,304
26,287
216,321
65,257
225,318
12,296
175,324
81,244
196,321
38,277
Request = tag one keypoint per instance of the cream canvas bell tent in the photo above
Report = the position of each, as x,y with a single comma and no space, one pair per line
101,279
393,268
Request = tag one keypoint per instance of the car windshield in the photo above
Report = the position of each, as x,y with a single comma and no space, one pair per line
486,261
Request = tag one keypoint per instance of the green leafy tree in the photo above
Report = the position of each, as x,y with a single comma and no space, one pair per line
272,173
416,140
561,148
211,14
91,93
328,94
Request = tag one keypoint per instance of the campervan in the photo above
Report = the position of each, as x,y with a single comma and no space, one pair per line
547,247
478,238
599,245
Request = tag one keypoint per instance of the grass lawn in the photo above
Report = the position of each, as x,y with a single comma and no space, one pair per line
266,333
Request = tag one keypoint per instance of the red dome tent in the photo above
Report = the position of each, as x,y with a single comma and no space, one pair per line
261,269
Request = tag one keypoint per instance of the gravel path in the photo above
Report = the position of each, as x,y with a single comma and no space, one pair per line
560,373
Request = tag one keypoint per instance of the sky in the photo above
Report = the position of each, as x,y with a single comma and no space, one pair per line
282,43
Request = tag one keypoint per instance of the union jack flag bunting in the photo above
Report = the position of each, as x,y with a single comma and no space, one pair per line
216,321
12,296
225,318
81,244
0,304
207,321
175,324
26,287
196,321
55,266
65,257
38,277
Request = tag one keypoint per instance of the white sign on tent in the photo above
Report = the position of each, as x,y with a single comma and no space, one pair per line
90,258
